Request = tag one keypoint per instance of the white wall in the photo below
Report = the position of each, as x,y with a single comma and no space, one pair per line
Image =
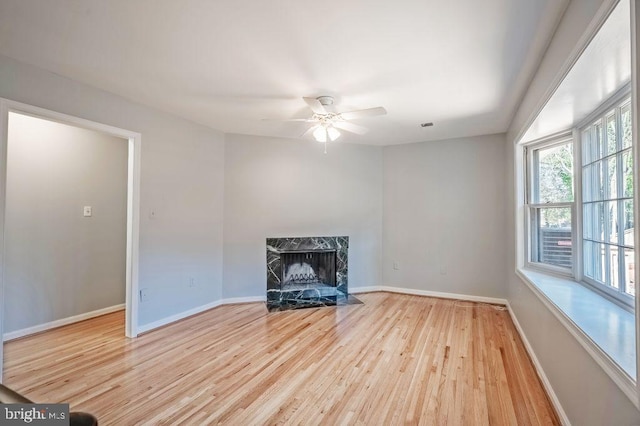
587,394
182,181
59,263
289,188
444,216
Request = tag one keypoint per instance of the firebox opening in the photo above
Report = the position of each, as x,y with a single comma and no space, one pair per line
310,269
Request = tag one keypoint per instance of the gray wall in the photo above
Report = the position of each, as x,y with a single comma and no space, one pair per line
443,216
587,394
289,188
182,182
577,17
59,263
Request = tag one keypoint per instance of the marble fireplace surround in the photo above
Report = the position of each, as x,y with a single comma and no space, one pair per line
277,299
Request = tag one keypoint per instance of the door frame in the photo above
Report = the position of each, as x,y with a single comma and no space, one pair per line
133,201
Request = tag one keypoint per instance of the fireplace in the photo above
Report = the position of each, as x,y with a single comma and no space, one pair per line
306,272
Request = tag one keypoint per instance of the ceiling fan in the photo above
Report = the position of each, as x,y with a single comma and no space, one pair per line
326,122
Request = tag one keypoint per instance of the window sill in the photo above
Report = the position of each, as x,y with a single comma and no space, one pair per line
604,329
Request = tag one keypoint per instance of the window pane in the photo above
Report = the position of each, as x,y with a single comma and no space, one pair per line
612,178
589,256
599,181
613,266
599,146
626,126
593,182
595,144
598,221
587,220
554,236
600,254
607,200
555,174
587,187
628,223
627,174
629,272
611,221
587,154
611,134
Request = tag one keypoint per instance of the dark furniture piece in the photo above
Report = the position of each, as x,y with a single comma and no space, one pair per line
9,396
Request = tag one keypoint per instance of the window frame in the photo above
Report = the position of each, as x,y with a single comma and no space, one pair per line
627,383
574,135
530,207
618,100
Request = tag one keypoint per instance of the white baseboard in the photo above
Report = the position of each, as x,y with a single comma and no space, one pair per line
252,299
438,294
177,317
543,377
59,323
182,315
364,289
237,300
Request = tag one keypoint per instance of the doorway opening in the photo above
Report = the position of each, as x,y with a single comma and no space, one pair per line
85,221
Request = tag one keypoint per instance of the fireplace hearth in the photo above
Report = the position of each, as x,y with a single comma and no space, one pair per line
306,272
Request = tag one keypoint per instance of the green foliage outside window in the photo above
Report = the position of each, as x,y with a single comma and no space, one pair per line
555,174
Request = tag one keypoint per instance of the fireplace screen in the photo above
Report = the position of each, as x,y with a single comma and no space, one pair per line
307,269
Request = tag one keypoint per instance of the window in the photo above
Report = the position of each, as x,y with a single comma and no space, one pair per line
586,277
607,202
590,237
550,207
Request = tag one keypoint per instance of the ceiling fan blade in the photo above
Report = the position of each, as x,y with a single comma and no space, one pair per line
350,127
309,131
288,119
315,105
369,112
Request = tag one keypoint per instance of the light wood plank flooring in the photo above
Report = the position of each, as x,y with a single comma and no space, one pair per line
395,359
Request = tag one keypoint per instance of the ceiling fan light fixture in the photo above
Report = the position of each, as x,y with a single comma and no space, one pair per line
333,133
320,134
328,124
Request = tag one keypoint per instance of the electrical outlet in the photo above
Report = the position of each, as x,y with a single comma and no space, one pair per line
192,282
144,294
86,211
396,265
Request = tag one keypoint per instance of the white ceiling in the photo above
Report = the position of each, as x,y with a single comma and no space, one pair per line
463,64
603,68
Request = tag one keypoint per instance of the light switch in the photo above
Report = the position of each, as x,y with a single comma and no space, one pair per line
87,211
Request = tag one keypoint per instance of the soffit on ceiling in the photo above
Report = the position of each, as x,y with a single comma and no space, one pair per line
602,69
462,64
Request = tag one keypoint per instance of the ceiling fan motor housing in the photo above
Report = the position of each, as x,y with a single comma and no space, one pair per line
325,100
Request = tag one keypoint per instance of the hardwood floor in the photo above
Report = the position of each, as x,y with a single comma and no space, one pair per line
395,359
